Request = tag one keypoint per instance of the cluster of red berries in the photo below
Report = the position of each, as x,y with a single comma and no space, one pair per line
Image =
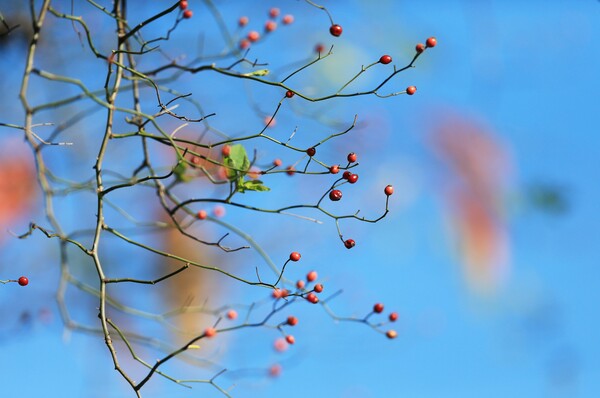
270,26
183,5
393,317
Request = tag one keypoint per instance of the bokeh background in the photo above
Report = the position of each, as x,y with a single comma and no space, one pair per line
490,253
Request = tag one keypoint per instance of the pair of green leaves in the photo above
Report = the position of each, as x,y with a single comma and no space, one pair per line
237,166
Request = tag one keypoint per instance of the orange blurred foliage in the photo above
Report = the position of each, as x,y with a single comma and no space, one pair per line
477,168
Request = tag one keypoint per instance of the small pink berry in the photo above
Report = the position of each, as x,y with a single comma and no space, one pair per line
318,288
253,36
183,4
300,284
351,157
243,21
319,48
244,44
275,370
280,345
187,14
334,169
410,90
420,48
210,332
312,276
391,334
431,42
291,170
393,317
389,190
292,320
295,256
232,314
219,211
274,12
202,214
287,19
290,339
270,26
277,162
226,150
270,121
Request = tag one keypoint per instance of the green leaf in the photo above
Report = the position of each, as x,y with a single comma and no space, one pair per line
237,162
180,170
253,185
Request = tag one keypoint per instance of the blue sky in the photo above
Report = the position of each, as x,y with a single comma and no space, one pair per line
524,74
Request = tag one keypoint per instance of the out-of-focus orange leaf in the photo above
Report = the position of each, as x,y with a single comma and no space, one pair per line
475,175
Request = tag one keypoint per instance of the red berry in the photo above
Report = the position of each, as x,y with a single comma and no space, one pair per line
270,26
312,276
311,151
244,44
352,178
232,314
210,332
275,370
393,317
346,174
291,170
319,48
318,288
410,90
187,14
280,345
335,30
335,195
270,121
202,214
300,284
274,12
295,256
287,19
253,36
243,21
349,243
292,321
219,211
183,4
351,157
385,59
226,150
311,297
289,94
280,293
378,308
420,48
334,169
431,42
391,334
389,190
23,281
290,339
277,162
